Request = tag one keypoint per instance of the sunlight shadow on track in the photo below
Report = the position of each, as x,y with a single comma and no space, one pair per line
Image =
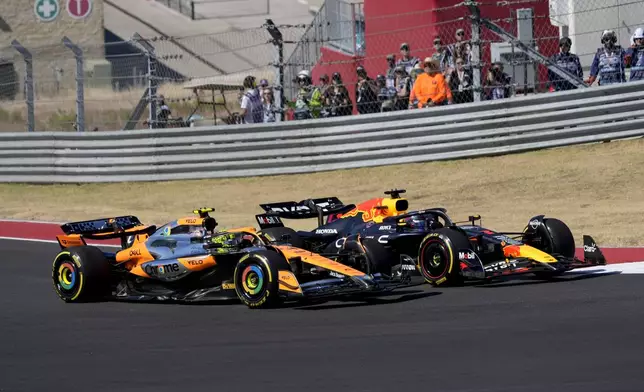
518,281
369,301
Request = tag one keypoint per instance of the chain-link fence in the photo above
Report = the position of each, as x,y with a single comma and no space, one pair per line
195,77
485,49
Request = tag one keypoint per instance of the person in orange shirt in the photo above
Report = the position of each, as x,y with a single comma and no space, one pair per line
430,88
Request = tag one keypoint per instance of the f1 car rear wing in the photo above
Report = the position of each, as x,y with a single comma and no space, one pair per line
102,229
305,209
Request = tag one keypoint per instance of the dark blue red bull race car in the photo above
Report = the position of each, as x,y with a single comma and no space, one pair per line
394,241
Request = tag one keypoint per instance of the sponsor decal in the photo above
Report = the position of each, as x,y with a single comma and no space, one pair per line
228,286
383,239
408,267
387,227
467,255
157,270
195,262
340,243
268,220
335,274
501,265
326,231
534,224
590,248
191,221
135,252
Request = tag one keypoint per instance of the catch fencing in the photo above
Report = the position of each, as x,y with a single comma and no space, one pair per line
440,133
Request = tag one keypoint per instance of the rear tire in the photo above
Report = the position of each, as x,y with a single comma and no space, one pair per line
374,257
256,279
553,237
275,234
438,257
81,274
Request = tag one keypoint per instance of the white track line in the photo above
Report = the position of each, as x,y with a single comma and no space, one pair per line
31,221
53,241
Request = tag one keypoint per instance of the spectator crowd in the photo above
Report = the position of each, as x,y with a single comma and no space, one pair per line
444,78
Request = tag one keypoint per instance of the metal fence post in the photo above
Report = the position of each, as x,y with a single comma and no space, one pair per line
278,41
152,79
80,90
29,83
476,49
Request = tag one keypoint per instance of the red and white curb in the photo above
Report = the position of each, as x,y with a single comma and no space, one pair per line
46,232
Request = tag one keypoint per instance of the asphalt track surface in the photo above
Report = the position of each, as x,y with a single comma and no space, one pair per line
583,333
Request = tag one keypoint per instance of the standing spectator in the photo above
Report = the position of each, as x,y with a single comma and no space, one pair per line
386,94
568,61
497,83
163,113
391,65
406,60
366,96
251,102
610,61
269,106
325,88
403,88
635,55
309,100
460,83
430,88
442,55
340,101
461,49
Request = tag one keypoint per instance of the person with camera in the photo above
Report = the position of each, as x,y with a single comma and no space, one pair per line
497,83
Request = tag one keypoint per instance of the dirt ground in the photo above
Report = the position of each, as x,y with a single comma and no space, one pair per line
597,189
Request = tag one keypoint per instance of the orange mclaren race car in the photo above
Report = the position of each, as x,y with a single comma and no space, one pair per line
187,260
429,242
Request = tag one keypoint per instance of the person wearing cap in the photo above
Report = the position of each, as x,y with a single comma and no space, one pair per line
251,102
461,48
406,60
430,88
442,55
403,88
609,62
568,61
635,55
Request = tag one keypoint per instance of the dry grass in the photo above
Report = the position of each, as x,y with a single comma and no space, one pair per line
597,189
105,108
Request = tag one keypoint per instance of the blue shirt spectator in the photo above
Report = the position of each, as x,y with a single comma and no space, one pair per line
609,63
635,55
569,62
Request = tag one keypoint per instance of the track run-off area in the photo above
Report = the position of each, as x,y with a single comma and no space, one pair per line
581,332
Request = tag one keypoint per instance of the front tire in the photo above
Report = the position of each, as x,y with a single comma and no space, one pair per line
81,274
256,279
553,237
438,257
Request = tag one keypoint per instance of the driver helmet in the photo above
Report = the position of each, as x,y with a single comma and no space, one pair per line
424,222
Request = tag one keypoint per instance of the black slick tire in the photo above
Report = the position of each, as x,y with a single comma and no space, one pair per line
438,257
256,279
81,274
